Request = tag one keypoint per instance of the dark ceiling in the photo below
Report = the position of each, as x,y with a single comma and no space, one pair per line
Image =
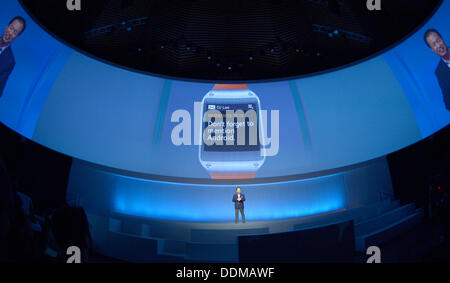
232,40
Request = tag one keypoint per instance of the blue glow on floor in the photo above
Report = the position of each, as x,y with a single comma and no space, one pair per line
210,203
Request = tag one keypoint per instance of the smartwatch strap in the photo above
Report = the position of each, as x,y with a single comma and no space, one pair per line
230,86
232,176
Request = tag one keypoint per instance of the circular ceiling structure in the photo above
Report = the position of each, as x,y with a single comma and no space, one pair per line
232,40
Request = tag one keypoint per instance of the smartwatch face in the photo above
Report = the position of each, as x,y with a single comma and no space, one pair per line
234,121
231,130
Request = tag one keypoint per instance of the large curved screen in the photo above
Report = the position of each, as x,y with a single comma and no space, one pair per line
103,114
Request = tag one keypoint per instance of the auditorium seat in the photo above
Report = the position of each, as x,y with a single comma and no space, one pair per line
386,226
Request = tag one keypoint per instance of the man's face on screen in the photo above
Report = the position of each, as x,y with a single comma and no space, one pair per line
238,190
12,31
438,45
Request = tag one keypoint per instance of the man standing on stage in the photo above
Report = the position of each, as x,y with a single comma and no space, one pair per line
7,62
238,200
437,44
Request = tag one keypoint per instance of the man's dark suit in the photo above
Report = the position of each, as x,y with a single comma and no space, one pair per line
443,76
7,64
239,206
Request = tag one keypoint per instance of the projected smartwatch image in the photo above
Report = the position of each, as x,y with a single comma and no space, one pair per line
232,133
